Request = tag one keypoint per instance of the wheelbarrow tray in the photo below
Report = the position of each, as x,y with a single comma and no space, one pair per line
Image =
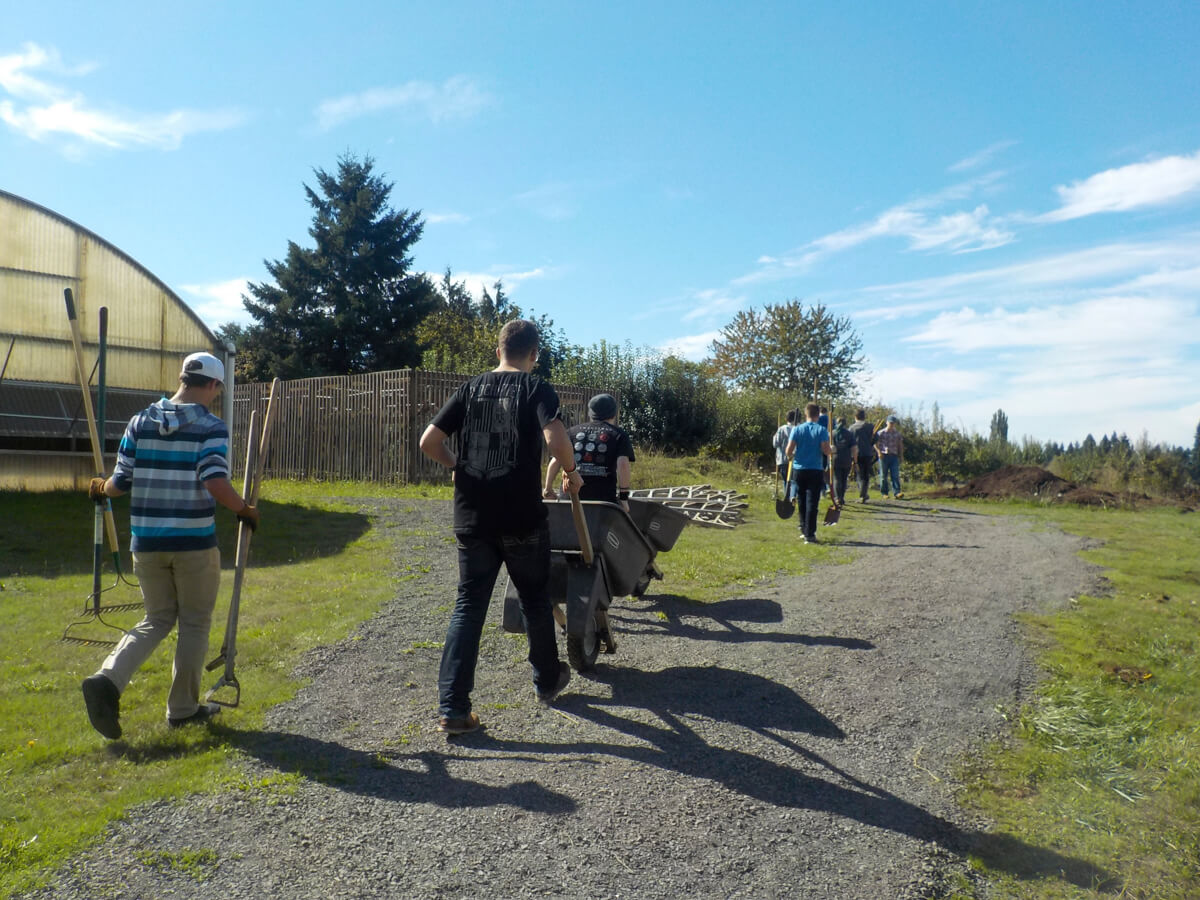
661,524
616,539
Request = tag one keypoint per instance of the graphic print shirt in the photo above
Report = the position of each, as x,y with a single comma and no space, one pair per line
498,418
597,446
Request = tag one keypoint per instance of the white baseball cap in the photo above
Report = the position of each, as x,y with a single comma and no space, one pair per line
204,364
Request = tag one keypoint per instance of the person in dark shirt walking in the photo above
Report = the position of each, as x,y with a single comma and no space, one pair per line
603,453
502,419
864,452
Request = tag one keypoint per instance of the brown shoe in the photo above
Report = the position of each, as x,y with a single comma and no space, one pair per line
458,724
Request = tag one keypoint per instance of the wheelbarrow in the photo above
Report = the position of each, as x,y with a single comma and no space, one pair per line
621,563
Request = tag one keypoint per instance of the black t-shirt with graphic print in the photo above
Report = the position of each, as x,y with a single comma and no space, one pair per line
597,446
498,418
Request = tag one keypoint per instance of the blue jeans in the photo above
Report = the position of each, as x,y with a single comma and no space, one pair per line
527,558
889,464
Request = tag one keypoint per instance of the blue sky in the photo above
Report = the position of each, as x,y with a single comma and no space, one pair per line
1004,198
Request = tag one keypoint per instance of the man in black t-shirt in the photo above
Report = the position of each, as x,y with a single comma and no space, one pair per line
603,454
501,418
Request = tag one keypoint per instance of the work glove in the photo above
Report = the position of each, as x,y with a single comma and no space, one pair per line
249,515
96,490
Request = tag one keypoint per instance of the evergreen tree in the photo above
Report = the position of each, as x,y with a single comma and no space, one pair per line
349,304
999,432
1195,467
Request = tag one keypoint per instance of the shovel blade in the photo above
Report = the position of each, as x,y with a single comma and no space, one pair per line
832,515
784,508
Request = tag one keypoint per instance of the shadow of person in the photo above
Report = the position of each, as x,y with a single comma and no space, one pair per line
420,777
679,611
675,696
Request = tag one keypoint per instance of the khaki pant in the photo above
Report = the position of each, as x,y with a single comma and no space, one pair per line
176,587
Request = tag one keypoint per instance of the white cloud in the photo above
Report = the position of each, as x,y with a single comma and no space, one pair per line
41,110
1113,325
1153,183
447,218
958,232
510,278
1074,270
219,302
710,303
981,158
907,382
694,346
458,97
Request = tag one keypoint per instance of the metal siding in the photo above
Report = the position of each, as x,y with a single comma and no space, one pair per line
150,328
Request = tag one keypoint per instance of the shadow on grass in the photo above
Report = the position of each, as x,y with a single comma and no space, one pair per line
674,695
421,777
50,534
675,615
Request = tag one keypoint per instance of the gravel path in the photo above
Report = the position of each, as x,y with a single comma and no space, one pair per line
799,740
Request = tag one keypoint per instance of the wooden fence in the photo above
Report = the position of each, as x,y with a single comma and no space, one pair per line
359,427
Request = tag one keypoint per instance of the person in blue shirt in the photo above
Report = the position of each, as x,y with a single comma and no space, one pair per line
808,448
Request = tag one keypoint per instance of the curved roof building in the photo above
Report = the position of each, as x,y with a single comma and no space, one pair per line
44,440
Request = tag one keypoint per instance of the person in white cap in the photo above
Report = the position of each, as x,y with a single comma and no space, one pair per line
172,459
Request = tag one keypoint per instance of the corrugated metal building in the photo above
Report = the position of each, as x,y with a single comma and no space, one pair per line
44,442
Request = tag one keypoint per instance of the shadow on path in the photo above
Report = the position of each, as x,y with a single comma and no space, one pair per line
674,745
677,609
420,777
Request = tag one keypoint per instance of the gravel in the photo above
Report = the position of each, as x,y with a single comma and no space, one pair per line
796,740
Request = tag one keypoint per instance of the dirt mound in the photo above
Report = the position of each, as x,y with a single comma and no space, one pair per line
1029,483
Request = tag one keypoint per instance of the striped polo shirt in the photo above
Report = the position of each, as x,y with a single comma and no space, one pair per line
167,453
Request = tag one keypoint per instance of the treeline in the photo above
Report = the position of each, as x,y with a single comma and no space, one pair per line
937,453
351,303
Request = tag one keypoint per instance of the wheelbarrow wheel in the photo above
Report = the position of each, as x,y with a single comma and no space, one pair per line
582,651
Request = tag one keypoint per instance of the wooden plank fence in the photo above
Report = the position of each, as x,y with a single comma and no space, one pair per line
359,427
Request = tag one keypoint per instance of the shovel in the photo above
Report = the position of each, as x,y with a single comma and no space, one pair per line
785,506
834,512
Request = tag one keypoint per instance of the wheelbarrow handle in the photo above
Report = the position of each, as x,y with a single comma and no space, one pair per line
581,528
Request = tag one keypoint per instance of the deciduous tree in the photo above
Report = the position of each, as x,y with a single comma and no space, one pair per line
787,346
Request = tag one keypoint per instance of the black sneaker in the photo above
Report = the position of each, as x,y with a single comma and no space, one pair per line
564,678
199,717
103,702
811,539
458,724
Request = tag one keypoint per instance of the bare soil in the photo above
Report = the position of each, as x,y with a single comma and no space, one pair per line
799,739
1035,483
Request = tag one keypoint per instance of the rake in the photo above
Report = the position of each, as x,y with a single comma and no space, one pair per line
256,456
93,609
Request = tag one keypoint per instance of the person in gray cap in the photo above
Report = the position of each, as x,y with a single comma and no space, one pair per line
172,459
890,445
603,454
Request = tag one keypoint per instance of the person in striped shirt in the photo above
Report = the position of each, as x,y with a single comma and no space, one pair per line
172,460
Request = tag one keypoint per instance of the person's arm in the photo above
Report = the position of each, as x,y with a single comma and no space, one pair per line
791,449
624,480
551,471
561,449
225,494
433,445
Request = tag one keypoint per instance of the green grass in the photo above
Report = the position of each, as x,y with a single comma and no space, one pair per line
708,564
1104,763
314,574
